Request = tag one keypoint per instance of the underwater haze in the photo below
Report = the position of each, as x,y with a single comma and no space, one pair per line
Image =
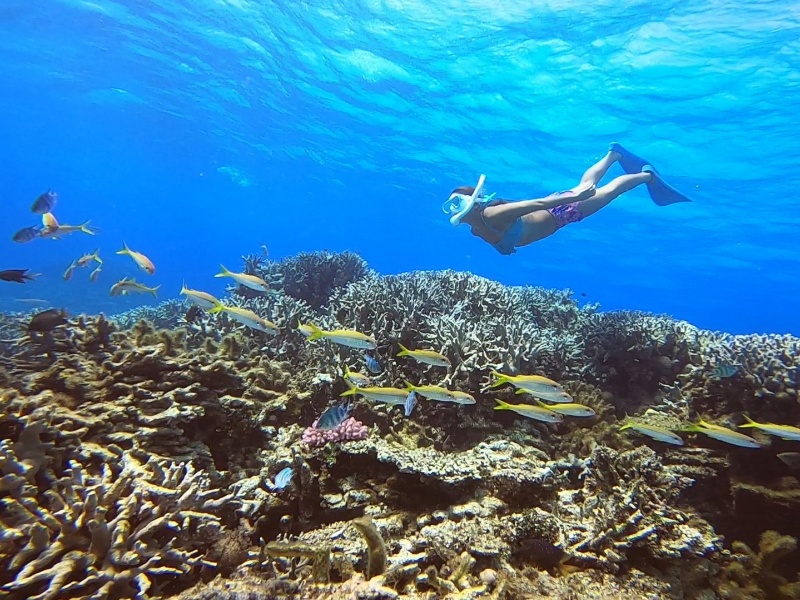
198,131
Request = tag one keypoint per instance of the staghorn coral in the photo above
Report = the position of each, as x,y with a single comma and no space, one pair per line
753,575
103,531
168,314
313,276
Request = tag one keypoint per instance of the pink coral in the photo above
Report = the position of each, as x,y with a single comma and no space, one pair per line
348,430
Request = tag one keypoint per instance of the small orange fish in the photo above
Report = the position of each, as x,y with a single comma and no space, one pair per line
86,259
49,221
144,263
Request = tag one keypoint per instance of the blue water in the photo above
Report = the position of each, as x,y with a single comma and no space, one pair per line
195,131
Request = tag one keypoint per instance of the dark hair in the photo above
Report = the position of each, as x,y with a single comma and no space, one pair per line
467,190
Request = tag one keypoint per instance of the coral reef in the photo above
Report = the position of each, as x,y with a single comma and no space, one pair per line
348,430
136,450
100,531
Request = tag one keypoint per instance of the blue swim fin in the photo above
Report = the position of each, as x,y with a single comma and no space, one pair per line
629,162
660,191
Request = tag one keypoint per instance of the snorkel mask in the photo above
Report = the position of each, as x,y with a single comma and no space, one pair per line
458,205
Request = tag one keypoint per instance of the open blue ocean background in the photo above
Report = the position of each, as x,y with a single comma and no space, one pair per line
197,130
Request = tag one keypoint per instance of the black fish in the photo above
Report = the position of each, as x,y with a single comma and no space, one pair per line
47,320
26,234
45,202
544,554
334,416
192,314
16,275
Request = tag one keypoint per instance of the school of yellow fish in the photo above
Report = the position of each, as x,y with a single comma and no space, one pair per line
551,403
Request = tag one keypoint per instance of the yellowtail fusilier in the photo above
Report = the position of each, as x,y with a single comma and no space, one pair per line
249,281
532,411
571,409
344,337
785,432
554,396
530,383
200,299
126,286
247,317
355,378
305,330
384,395
427,357
434,392
723,434
653,431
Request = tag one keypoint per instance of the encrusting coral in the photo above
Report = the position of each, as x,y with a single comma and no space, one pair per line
137,449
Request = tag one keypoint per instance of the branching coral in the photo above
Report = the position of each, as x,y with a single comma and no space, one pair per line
313,276
103,532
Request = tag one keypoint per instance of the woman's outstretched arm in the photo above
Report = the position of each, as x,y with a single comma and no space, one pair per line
503,214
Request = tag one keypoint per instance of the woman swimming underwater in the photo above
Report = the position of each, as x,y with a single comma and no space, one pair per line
509,224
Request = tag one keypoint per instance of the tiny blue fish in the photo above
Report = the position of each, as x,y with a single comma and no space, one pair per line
27,234
373,366
411,402
334,416
45,202
283,479
725,370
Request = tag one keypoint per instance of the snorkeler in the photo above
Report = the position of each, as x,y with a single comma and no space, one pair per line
509,224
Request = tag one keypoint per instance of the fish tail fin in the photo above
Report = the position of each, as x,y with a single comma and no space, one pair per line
566,570
224,272
96,257
352,389
627,424
693,427
501,404
316,332
408,385
125,249
216,309
702,423
522,391
84,227
500,379
749,423
154,290
183,287
403,350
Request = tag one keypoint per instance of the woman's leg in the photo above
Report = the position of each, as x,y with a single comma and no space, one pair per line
612,190
595,173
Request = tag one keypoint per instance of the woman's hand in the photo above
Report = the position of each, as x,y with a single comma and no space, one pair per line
585,191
